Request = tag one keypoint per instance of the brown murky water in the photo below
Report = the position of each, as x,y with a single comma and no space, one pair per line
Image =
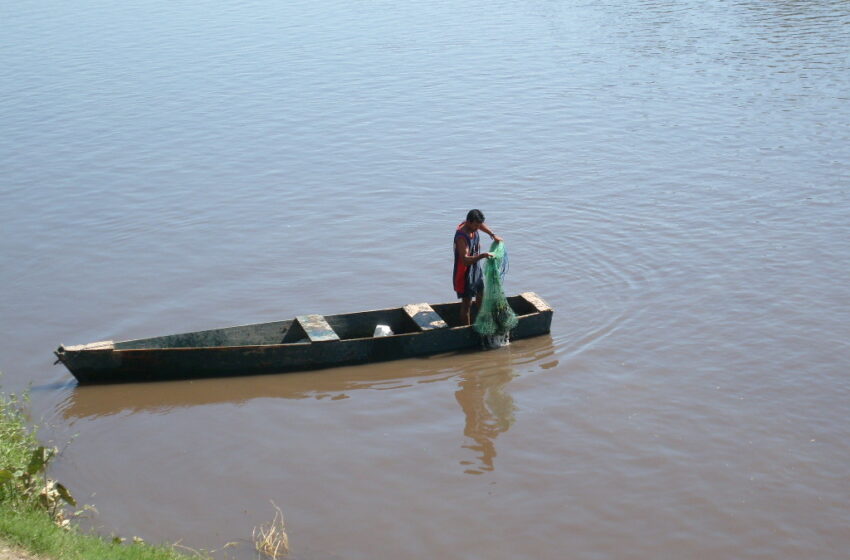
671,177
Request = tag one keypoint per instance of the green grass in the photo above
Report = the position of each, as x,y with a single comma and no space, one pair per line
23,523
35,532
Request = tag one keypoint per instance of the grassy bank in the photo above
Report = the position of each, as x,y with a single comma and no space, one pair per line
32,506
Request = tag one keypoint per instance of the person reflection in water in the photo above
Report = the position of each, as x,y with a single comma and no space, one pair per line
467,276
489,411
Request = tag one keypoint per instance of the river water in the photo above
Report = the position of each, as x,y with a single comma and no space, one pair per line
672,177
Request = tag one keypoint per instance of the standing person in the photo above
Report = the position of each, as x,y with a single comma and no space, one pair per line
467,275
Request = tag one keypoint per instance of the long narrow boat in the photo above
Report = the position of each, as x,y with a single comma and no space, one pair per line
303,343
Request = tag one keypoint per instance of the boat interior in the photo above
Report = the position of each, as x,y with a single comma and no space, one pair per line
309,328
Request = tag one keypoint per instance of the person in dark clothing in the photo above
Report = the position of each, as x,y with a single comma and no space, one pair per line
467,275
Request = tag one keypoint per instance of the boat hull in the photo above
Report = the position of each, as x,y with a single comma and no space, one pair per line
115,363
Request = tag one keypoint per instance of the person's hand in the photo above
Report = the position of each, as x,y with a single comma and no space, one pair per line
496,238
486,255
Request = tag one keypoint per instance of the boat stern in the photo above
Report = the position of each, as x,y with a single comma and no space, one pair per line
535,315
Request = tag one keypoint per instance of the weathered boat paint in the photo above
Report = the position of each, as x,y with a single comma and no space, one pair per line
305,343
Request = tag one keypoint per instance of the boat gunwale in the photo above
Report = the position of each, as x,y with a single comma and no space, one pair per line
306,343
64,352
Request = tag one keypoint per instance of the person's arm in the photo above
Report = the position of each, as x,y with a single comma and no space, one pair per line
492,235
463,249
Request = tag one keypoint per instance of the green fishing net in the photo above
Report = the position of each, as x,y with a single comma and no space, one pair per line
495,318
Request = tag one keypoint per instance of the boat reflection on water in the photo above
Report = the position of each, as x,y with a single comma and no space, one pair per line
482,379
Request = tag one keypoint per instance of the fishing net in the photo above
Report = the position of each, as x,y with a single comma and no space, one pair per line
495,318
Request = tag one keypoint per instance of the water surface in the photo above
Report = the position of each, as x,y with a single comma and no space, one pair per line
671,177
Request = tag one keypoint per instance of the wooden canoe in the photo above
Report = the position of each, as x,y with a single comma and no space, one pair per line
303,343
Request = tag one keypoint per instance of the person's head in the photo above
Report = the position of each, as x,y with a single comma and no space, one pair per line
474,219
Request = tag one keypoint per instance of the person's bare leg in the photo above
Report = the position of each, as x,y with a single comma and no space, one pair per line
465,304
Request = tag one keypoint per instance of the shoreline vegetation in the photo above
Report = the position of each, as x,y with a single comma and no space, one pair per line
33,522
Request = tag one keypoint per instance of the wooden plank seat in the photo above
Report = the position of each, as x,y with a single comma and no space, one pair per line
317,328
425,317
538,302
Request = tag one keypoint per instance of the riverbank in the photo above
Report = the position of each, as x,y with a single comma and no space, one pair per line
33,521
8,552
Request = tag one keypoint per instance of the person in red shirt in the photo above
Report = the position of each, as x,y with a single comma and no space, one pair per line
467,276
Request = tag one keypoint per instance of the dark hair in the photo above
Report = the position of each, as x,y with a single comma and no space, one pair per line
475,216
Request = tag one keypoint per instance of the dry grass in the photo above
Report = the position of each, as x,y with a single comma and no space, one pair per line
271,540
